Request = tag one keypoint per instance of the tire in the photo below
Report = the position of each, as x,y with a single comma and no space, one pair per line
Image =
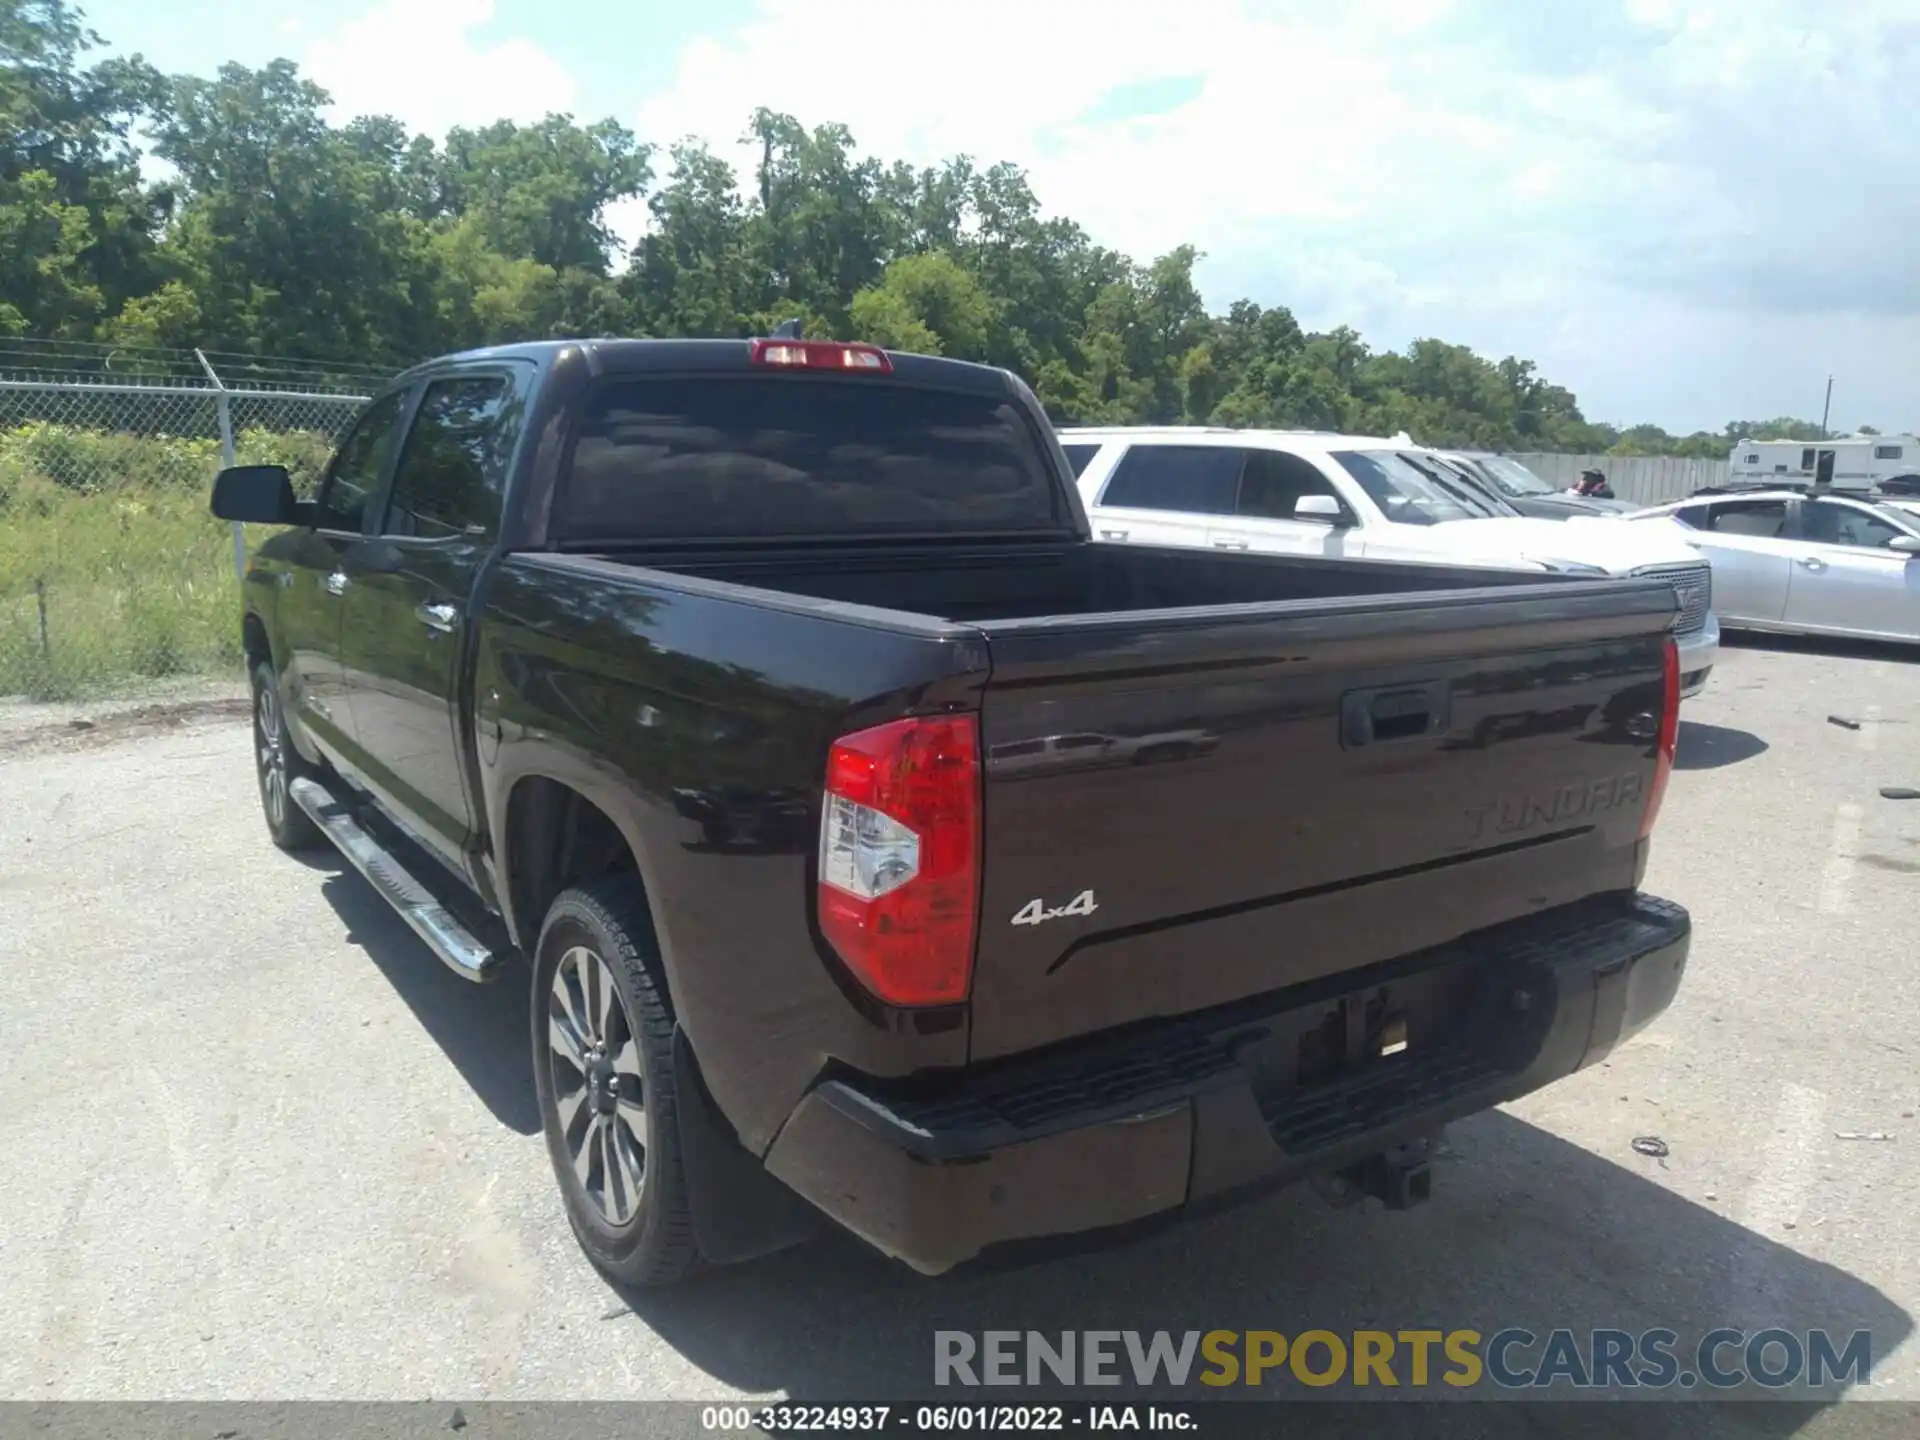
615,1153
277,765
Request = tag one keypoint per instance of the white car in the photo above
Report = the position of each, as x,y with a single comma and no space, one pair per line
1307,493
1814,564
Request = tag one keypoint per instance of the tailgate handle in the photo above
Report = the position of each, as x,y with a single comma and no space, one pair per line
1393,713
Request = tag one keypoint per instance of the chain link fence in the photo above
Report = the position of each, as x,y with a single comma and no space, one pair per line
114,578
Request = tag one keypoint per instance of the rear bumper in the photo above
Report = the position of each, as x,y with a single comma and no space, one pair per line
1120,1130
1698,652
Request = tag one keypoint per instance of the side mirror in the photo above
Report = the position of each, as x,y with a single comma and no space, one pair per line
1905,544
1319,507
255,495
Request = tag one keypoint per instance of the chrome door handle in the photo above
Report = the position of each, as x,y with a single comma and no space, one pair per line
1811,564
440,616
337,583
1229,544
1113,534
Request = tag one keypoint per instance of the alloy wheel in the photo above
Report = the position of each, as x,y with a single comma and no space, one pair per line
594,1057
271,755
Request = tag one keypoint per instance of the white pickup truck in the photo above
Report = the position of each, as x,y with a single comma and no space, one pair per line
1297,492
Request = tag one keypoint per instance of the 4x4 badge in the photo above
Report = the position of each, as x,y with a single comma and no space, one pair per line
1035,911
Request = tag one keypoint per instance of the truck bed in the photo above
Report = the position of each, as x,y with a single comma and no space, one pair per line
1172,731
1002,582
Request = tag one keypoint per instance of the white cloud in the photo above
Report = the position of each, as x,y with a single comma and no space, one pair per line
1291,111
1637,193
1526,180
418,60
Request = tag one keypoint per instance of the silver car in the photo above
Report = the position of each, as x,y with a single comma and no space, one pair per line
1911,507
1815,564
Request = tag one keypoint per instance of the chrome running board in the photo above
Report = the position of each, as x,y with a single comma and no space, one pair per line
456,946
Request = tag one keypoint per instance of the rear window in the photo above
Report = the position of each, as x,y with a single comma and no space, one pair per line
796,457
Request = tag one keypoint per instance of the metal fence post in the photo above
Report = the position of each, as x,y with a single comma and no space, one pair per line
40,603
224,413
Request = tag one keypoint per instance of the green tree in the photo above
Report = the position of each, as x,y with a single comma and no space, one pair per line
1438,392
76,225
1781,427
1280,377
693,273
822,230
540,192
928,302
1700,445
483,297
45,284
294,237
1642,440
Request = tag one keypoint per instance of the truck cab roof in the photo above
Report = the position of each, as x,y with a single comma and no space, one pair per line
612,355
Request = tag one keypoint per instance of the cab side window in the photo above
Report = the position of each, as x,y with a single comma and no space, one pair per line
453,468
360,464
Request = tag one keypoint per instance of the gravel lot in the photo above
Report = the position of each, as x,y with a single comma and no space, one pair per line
259,1144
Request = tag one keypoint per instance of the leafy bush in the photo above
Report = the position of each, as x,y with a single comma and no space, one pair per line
96,461
303,452
138,576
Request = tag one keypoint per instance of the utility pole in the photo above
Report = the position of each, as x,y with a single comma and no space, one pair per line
1826,408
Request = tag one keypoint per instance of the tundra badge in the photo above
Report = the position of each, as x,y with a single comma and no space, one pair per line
1035,911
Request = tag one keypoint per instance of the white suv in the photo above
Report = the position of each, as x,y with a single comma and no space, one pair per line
1294,492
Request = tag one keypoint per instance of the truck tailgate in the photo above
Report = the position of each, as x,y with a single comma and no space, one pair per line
1184,809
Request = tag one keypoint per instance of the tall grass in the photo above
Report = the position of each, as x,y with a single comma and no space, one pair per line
112,572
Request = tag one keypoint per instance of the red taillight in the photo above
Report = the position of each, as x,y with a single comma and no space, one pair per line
900,857
1669,739
822,355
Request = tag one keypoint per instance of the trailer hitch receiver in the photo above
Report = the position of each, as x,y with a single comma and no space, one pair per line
1400,1178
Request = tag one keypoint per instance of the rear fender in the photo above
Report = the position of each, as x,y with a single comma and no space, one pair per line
606,790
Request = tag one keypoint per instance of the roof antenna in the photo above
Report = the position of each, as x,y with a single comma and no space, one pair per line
787,329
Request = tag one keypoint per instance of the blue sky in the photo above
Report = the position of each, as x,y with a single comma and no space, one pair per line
1687,211
612,53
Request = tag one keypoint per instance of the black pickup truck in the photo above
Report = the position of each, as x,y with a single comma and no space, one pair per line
884,849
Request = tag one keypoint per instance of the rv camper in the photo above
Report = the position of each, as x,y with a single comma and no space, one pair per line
1852,462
